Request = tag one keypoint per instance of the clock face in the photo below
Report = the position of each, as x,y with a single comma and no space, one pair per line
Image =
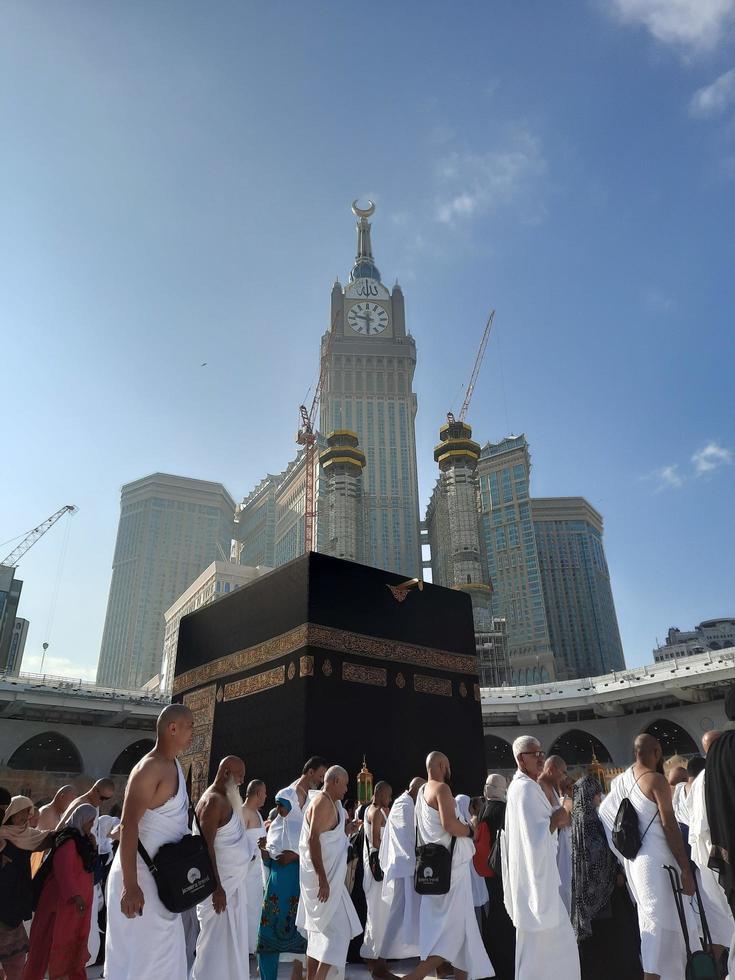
368,319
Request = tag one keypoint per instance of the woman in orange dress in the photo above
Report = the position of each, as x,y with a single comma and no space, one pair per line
60,929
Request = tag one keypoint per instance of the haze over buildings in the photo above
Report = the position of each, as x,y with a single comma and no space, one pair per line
535,570
170,529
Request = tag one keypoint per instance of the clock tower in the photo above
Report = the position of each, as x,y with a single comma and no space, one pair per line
368,390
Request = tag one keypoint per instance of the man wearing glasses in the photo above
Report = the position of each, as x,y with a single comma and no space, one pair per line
544,933
102,792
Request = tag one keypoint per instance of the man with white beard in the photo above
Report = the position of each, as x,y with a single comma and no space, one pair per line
254,800
544,935
222,945
326,914
398,861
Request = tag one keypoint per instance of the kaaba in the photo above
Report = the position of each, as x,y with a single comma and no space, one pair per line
329,657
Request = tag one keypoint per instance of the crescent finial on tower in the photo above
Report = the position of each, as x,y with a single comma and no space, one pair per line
363,212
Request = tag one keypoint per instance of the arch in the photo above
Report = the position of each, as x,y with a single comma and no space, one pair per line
498,753
674,739
576,748
130,756
47,752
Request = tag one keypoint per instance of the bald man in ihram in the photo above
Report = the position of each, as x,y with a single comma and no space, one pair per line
545,939
222,944
144,940
662,944
448,929
326,915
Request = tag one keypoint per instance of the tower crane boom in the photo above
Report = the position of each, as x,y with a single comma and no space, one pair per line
476,368
36,534
306,437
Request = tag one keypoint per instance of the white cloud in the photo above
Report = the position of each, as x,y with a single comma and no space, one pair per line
715,98
476,183
667,478
659,301
711,457
698,24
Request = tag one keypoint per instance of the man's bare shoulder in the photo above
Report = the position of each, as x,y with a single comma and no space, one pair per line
156,777
214,804
322,812
435,791
251,817
652,783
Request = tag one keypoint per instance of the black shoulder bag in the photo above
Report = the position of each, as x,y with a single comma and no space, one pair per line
182,871
626,832
433,875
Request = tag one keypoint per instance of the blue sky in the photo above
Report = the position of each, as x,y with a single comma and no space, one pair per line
175,182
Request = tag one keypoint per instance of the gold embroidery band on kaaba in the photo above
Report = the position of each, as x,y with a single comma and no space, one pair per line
364,675
256,683
195,760
328,638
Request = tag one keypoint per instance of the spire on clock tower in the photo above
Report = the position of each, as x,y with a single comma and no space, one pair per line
364,267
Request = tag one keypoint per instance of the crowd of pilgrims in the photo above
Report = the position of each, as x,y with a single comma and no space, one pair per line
535,882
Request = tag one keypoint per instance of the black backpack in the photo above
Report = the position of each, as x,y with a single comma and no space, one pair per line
626,832
182,871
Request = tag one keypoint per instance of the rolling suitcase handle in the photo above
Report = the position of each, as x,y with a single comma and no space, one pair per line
700,965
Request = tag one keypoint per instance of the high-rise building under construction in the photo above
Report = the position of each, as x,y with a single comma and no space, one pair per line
366,484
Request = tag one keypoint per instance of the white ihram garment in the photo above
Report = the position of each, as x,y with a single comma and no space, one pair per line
662,943
398,861
480,897
544,934
222,945
680,803
152,945
329,926
564,864
716,907
254,884
447,923
378,911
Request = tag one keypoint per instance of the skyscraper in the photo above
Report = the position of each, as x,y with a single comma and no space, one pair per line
367,502
171,528
369,391
576,587
541,560
512,559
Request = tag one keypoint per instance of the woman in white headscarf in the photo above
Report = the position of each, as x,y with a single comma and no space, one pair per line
61,924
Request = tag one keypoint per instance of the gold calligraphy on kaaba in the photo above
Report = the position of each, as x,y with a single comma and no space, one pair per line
432,685
253,685
364,675
328,638
196,758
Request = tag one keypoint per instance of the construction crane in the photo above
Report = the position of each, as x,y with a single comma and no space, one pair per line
306,436
36,534
475,373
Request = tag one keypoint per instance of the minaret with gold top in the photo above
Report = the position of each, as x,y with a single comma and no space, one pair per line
342,506
455,518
